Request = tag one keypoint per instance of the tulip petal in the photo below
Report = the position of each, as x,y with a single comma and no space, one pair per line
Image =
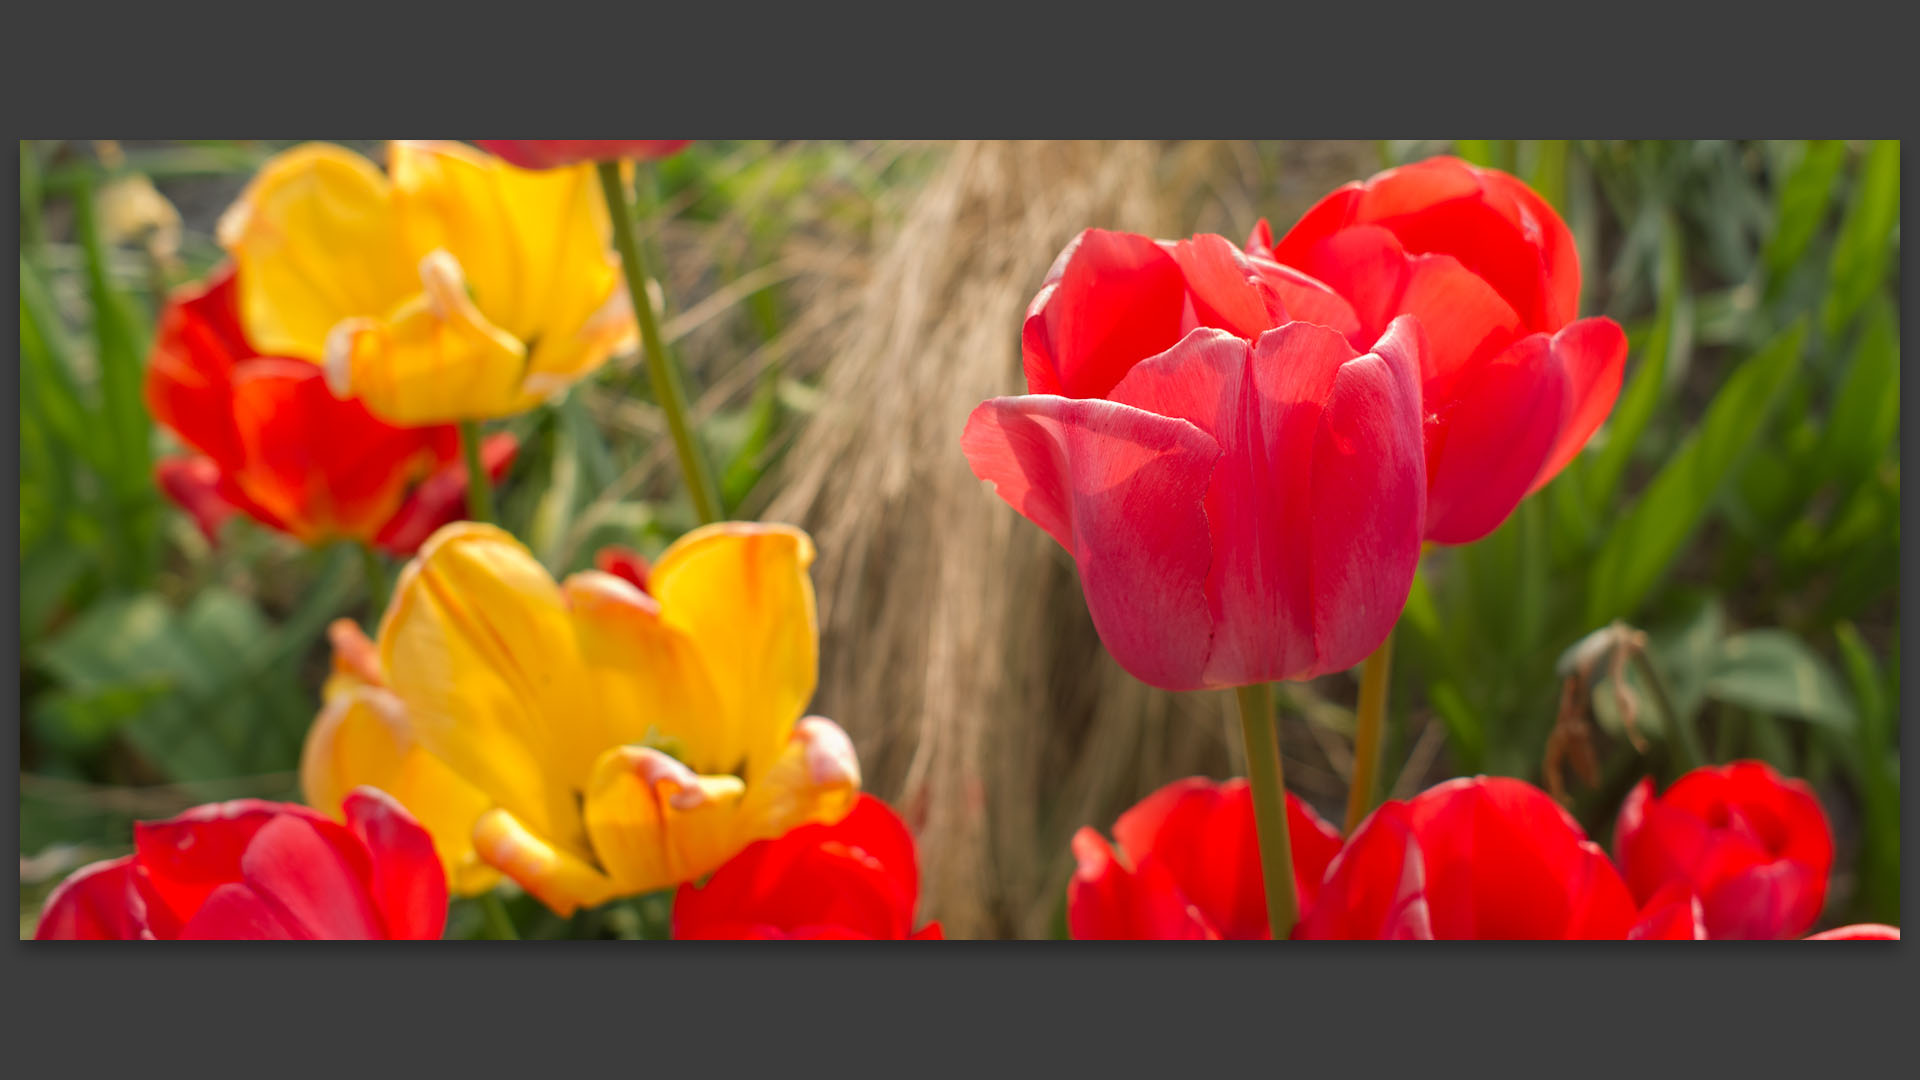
95,903
479,642
1123,491
1543,227
1116,299
655,823
184,858
739,595
1859,932
816,778
197,486
315,875
1375,889
1489,440
1110,901
313,237
407,883
1306,299
189,374
556,877
441,499
234,911
1674,914
1594,354
436,359
1224,289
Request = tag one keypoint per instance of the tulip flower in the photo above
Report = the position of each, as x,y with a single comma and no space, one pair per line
1186,864
254,870
625,739
1859,932
858,878
363,737
1240,512
1673,914
1481,858
1754,846
273,443
557,153
454,288
1513,383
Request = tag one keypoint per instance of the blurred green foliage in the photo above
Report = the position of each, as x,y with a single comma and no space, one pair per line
1741,503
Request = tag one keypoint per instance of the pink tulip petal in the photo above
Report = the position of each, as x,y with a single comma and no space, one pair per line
1122,490
1117,300
1594,354
314,875
1487,443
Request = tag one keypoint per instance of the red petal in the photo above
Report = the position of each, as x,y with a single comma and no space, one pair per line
1375,888
1118,300
1307,299
408,885
314,876
1487,442
1506,862
1536,219
185,858
1225,289
1594,354
442,497
624,563
1672,915
556,153
194,484
929,932
1122,490
189,372
1108,901
1859,932
95,903
235,912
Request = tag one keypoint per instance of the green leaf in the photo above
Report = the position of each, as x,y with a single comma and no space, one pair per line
1649,536
1634,410
1773,672
1864,422
1865,244
1802,205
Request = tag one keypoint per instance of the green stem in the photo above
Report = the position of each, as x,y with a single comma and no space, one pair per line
1682,727
479,487
375,572
1269,806
660,367
499,924
1370,718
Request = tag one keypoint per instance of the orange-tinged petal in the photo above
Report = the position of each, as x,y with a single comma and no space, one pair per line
741,594
314,240
561,880
655,822
437,359
479,644
361,737
648,680
815,778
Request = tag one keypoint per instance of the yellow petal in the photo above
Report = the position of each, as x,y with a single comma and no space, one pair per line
560,879
436,360
655,823
361,737
649,682
313,237
816,778
740,593
479,644
536,243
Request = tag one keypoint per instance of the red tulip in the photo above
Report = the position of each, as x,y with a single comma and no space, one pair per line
1240,511
1513,384
555,153
274,443
1674,914
1480,858
1859,932
257,870
1187,865
1755,847
857,879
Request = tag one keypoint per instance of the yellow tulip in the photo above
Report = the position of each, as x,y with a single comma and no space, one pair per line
362,737
623,740
455,287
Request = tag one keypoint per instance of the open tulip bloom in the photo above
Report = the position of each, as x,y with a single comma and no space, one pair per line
454,287
620,739
274,443
253,870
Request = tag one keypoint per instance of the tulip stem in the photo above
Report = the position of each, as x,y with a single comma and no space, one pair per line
479,488
1369,720
1264,773
1681,726
376,575
499,923
661,369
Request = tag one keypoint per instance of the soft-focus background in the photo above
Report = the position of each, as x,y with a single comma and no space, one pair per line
840,307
